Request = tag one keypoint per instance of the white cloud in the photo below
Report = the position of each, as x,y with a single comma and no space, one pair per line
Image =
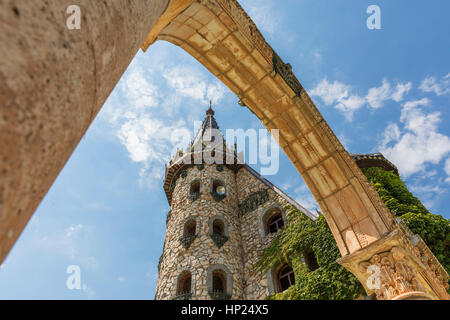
401,90
71,230
377,96
303,196
138,89
447,169
418,142
187,82
149,114
340,95
121,279
330,93
263,14
349,105
431,84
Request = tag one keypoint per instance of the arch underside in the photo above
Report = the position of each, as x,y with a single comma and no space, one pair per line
220,35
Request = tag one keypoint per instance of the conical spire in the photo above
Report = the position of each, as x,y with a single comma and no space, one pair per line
210,111
209,123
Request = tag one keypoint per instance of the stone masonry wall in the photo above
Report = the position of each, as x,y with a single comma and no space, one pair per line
202,253
254,238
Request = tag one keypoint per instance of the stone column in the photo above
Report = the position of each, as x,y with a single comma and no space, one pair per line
53,81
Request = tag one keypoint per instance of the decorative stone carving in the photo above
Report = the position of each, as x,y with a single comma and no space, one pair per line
219,240
253,201
219,295
285,71
186,241
393,267
396,277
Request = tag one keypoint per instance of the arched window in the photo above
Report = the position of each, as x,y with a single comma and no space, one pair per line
189,232
184,284
218,228
194,191
273,221
286,277
276,223
219,282
190,228
310,259
218,190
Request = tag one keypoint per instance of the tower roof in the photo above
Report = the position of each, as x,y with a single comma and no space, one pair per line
209,139
208,130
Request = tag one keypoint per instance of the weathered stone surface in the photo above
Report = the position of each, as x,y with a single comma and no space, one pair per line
53,81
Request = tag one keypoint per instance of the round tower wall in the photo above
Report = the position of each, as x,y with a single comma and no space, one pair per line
203,256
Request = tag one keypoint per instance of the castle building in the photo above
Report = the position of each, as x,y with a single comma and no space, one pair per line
223,214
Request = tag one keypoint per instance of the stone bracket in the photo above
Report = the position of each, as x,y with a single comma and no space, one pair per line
391,268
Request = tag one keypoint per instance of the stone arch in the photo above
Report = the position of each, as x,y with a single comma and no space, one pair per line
220,35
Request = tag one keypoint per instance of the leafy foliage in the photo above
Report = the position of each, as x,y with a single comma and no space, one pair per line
331,281
393,192
432,228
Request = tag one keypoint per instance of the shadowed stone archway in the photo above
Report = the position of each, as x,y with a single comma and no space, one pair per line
53,92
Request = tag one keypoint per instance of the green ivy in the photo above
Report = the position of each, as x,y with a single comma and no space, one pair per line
432,228
331,281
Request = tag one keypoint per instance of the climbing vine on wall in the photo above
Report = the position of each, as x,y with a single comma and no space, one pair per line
332,281
434,229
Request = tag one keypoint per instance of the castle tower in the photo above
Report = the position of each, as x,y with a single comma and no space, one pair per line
223,214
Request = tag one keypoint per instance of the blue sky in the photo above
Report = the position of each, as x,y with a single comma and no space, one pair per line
382,90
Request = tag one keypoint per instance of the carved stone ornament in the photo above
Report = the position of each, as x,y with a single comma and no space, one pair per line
253,201
219,240
186,241
285,71
391,273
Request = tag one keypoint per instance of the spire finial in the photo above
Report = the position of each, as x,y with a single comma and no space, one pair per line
210,111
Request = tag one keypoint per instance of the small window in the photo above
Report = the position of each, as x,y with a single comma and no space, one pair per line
194,191
185,283
286,278
218,187
218,228
219,282
275,223
310,259
218,191
190,228
195,187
